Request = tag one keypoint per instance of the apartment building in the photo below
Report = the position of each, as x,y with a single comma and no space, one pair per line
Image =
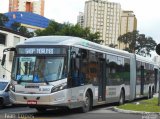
128,24
8,38
34,6
103,17
80,19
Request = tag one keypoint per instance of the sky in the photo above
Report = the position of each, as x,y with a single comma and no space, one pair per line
146,11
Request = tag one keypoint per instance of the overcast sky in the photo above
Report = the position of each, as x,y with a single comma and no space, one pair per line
146,11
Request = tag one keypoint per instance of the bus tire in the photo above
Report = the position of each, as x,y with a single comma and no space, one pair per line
122,97
40,109
1,102
87,103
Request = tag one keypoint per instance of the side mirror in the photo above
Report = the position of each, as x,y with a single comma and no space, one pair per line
3,59
158,49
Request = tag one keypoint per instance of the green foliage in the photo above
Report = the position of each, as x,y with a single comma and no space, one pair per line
144,105
158,49
23,30
15,26
68,29
138,43
113,45
3,19
52,29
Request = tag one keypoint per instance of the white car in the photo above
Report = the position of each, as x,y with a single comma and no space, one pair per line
4,92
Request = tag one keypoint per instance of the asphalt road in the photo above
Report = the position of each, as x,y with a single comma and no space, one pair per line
100,112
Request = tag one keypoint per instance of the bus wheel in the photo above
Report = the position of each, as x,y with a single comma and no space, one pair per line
1,102
87,103
122,98
41,109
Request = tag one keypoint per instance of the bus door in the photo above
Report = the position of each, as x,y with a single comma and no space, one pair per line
142,81
102,81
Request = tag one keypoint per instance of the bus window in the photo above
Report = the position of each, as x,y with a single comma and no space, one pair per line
78,66
115,70
93,68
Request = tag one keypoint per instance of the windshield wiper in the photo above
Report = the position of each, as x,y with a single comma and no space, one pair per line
46,81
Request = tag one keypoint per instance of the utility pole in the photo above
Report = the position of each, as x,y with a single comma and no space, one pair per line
158,52
159,93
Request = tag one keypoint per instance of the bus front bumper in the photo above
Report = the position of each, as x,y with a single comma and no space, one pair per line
56,99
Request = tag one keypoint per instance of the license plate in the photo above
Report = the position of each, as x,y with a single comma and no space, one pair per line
31,102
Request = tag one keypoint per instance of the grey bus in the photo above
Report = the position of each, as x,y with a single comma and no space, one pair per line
64,71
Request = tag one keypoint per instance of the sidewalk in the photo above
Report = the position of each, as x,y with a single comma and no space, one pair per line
155,95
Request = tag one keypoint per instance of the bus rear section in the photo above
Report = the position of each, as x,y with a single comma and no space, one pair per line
146,77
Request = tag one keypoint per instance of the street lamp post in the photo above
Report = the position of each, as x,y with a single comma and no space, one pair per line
158,52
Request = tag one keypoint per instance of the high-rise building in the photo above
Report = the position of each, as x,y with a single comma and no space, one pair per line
80,19
103,17
34,6
128,24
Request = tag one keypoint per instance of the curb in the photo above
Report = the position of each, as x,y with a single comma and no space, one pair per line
133,112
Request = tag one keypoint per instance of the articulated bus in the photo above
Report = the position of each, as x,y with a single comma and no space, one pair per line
64,71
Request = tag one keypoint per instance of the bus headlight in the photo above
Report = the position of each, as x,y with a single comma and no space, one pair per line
12,87
59,87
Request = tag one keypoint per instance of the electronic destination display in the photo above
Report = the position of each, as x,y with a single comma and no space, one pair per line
41,51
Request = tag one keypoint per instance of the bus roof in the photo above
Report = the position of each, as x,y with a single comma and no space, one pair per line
71,41
78,42
144,59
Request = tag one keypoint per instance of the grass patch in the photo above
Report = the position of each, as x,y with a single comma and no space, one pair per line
150,105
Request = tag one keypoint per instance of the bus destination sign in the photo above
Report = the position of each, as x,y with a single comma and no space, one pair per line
41,50
38,50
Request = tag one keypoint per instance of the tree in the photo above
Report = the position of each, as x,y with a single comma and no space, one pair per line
68,29
15,26
137,43
113,45
23,30
53,28
93,37
72,30
145,45
3,19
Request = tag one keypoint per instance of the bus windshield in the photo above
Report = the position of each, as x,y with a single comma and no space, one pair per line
38,69
3,85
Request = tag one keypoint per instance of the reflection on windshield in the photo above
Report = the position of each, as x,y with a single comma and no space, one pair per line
38,69
49,69
25,67
3,85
